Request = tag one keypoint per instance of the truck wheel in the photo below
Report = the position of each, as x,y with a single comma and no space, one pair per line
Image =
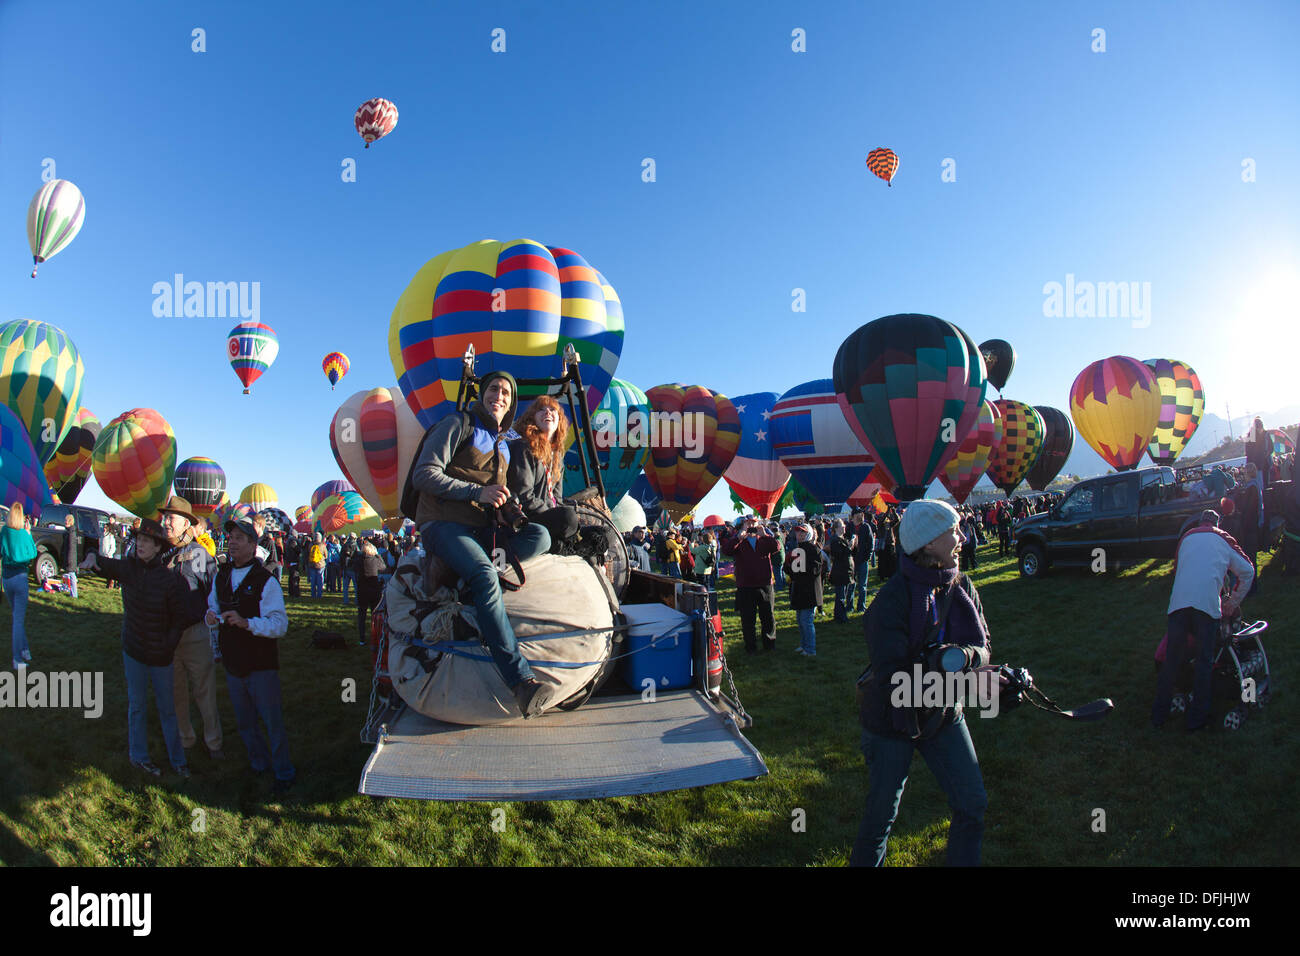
46,567
1033,564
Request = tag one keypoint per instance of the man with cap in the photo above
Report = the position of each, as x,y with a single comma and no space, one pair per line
1206,556
751,554
153,607
928,608
637,550
246,603
454,490
193,662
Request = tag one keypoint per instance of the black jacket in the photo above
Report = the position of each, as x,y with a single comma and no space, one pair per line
841,553
153,607
805,585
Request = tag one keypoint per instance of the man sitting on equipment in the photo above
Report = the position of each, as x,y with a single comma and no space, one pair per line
460,475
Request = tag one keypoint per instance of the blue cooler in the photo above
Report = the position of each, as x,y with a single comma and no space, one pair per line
659,647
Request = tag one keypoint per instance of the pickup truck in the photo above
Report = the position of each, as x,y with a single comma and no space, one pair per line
1133,516
51,537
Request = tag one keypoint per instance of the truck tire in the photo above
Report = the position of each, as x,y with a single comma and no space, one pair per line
1033,563
46,567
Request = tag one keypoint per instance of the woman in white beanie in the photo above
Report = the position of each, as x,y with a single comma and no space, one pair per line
929,606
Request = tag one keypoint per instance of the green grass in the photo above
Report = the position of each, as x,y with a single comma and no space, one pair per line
68,795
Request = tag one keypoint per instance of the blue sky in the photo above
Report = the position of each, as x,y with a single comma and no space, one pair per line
1123,165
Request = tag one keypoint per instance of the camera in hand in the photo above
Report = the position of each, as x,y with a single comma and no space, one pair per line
510,514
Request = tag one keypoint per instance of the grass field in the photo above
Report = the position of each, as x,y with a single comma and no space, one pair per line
69,797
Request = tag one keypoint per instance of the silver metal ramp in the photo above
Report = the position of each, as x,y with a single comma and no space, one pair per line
610,747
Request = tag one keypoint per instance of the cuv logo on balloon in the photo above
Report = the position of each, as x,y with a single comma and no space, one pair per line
206,300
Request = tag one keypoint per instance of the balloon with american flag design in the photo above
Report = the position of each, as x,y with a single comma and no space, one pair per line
815,443
756,474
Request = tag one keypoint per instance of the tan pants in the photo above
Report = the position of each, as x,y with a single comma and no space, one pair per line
193,662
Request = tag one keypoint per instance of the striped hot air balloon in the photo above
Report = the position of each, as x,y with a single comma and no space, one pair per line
374,436
1182,403
967,467
335,366
40,380
1058,442
21,478
69,468
54,217
884,163
302,513
685,462
221,513
519,304
619,422
251,347
911,388
335,487
201,482
1115,403
259,496
375,119
135,459
1022,441
756,474
346,513
814,442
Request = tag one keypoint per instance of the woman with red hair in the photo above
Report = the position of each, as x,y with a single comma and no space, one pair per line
537,467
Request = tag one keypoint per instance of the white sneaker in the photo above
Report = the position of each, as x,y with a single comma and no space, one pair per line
798,650
18,663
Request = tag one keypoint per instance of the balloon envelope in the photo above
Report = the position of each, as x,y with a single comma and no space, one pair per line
619,425
67,471
628,514
519,304
251,348
335,487
259,497
911,387
1115,403
276,519
999,360
1182,403
375,119
335,365
967,467
686,461
647,496
54,217
817,446
884,163
135,459
1058,442
756,474
373,436
1022,440
40,380
1282,443
346,513
21,478
201,482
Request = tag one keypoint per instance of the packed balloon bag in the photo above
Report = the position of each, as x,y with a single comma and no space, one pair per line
564,619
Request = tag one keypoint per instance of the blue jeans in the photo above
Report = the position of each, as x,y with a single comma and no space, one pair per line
138,678
807,631
254,696
15,589
674,569
317,582
457,545
951,756
349,579
860,587
778,576
1203,630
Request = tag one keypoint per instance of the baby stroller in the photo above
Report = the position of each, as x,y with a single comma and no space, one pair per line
1239,672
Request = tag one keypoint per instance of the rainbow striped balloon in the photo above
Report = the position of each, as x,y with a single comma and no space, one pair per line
251,348
967,467
40,380
21,479
519,304
335,366
54,217
1182,403
1023,432
373,436
135,459
346,513
1115,403
686,461
68,470
301,513
335,487
201,482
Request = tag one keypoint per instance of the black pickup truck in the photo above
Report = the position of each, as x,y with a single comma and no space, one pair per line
51,537
1131,517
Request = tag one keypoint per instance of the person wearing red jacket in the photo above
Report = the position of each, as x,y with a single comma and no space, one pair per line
752,553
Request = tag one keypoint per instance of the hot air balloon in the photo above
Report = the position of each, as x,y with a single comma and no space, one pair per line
1282,443
1058,442
686,462
259,497
375,119
756,474
54,218
519,304
335,487
713,521
251,348
648,497
21,478
201,482
1022,441
346,512
302,513
135,459
884,163
620,422
967,467
67,471
221,513
335,366
816,445
277,519
999,360
911,388
1182,402
40,381
628,514
374,436
1115,403
804,501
